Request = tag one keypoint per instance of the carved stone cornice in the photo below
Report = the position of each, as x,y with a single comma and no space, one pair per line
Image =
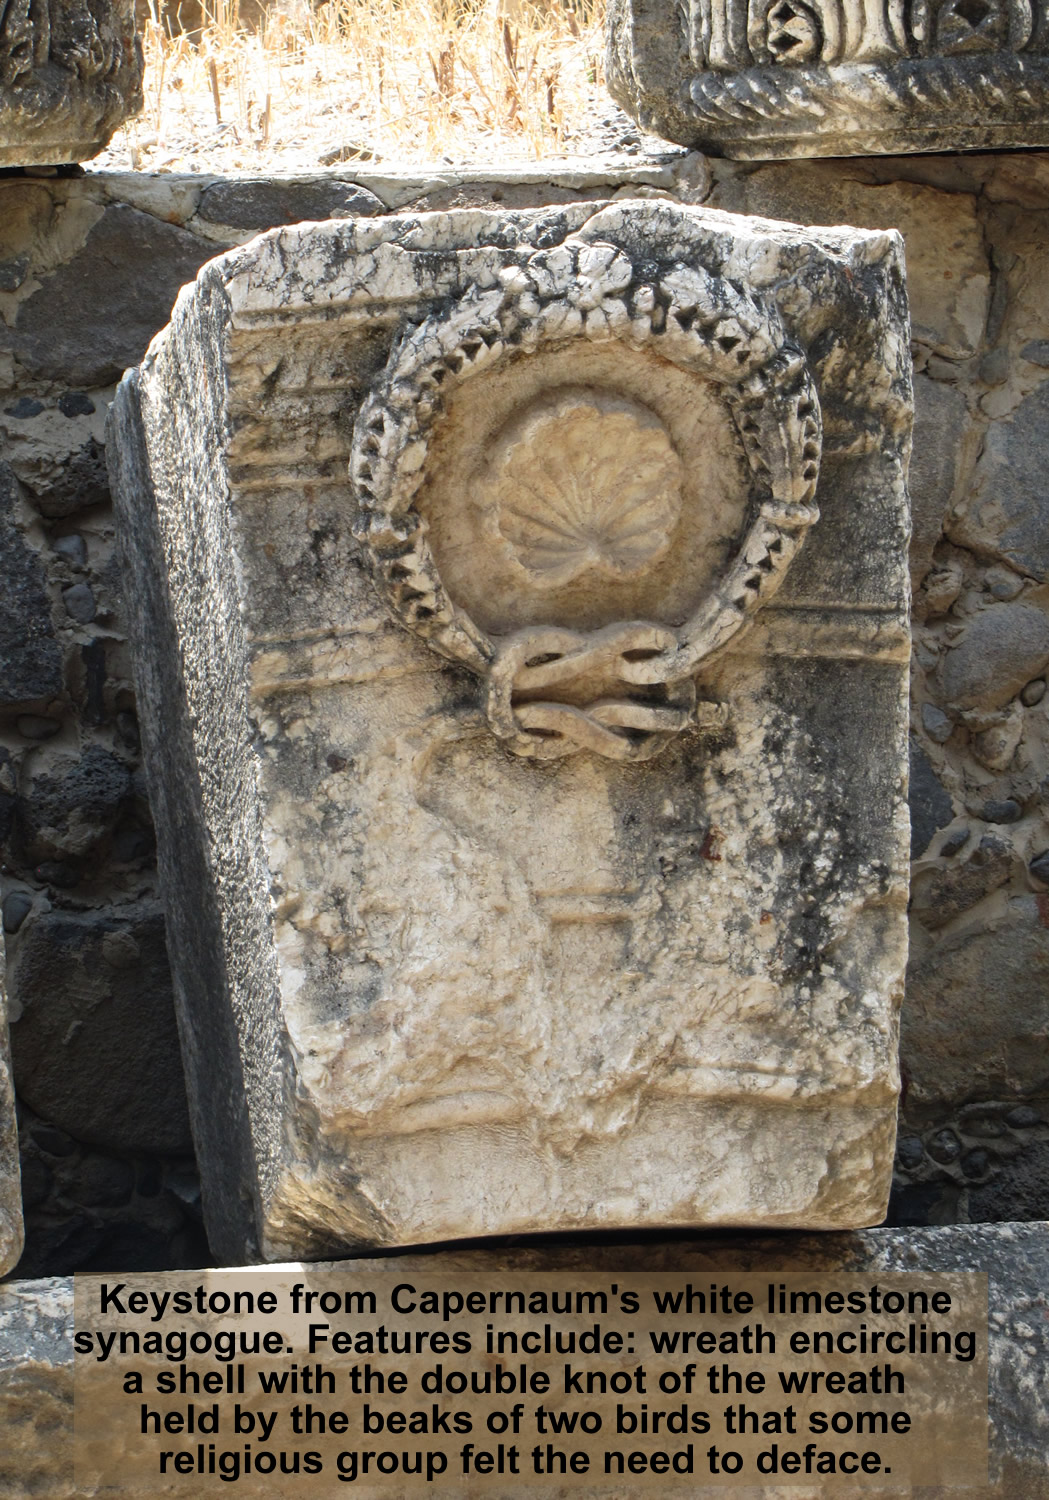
70,74
799,78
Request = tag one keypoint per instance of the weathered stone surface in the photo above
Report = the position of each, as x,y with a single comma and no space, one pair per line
10,1192
930,803
760,79
940,425
94,316
1021,1185
954,1049
30,658
36,1355
67,809
1007,511
1003,647
948,311
36,1389
70,73
558,742
940,895
253,205
94,1043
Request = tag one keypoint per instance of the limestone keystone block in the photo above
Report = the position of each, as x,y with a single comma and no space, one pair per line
762,79
70,73
521,636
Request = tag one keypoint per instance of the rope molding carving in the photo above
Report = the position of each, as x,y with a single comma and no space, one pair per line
702,323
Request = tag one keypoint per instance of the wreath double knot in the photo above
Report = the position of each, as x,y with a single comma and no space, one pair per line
622,691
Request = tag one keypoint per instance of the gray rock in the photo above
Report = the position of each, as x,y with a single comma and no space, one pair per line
940,895
17,906
70,73
95,315
68,808
1003,647
75,404
936,723
30,656
1023,1117
79,601
72,548
944,1147
24,408
976,1164
36,1347
1033,693
83,482
940,420
1002,810
1019,1188
13,273
1037,351
955,841
263,205
996,1046
1003,583
930,802
791,80
95,1049
910,1152
1007,513
1039,867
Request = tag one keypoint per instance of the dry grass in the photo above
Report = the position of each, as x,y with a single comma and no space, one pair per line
412,79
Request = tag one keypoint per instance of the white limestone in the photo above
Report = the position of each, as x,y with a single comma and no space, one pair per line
531,795
10,1178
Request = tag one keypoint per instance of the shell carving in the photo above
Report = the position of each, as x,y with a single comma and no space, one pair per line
584,481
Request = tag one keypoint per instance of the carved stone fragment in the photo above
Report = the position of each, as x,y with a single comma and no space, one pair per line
521,642
70,73
760,79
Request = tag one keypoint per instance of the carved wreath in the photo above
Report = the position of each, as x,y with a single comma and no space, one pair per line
702,323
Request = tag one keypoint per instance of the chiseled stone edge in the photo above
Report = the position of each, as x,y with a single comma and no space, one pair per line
36,1318
969,102
59,111
11,1233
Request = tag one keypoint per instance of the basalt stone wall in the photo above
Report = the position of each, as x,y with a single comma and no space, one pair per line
89,268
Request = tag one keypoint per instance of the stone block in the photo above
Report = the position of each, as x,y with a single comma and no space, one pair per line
1002,649
30,656
95,1046
955,1049
765,79
10,1188
70,73
949,308
94,316
531,797
36,1346
1007,513
252,205
941,426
